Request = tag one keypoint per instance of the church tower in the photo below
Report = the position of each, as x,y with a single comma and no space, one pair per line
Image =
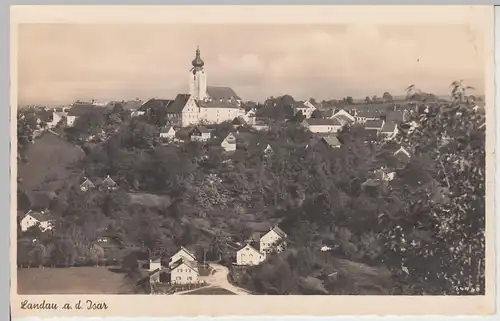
198,78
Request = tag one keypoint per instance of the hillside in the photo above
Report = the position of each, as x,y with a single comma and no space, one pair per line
48,164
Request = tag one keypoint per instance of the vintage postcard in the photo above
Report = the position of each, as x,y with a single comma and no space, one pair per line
252,160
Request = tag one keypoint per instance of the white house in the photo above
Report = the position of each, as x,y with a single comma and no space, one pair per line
344,117
201,134
306,108
32,218
249,117
248,255
268,149
183,253
363,115
273,240
229,143
168,133
321,125
56,118
184,272
86,185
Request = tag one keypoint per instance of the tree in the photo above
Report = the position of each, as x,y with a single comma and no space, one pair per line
349,100
387,97
446,233
367,100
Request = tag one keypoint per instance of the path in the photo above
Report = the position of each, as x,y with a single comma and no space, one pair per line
219,278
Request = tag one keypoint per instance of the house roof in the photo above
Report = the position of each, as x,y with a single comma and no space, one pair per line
253,245
323,122
131,104
81,109
371,182
87,182
368,113
238,121
389,127
178,104
279,231
344,118
192,264
332,141
395,115
374,124
371,133
187,251
158,103
42,216
219,92
230,139
166,129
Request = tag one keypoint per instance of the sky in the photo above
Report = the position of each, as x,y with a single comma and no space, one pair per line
60,63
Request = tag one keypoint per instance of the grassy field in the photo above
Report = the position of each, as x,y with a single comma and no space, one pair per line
210,291
76,280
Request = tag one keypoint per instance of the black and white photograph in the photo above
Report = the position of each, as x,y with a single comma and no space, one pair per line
251,159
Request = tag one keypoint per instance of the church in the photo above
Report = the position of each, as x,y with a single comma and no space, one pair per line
204,104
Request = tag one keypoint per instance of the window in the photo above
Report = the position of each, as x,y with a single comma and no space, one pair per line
180,270
178,278
189,278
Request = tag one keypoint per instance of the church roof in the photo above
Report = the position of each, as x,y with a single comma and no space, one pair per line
224,93
162,103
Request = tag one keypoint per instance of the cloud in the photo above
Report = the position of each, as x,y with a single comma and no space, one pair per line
61,63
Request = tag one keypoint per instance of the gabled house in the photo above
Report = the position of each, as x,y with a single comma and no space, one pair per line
268,149
364,115
374,125
183,253
229,143
389,129
321,125
306,108
344,117
107,184
86,185
402,155
45,220
274,240
249,255
200,134
184,271
331,141
167,133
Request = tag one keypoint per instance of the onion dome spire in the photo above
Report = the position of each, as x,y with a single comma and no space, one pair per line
198,62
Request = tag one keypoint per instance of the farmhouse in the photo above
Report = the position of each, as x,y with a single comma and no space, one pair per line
306,108
106,184
86,185
184,271
364,115
43,219
273,240
389,129
320,125
200,134
229,143
331,141
167,133
249,255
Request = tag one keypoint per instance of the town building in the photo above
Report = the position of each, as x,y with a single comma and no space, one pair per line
249,255
43,219
200,134
229,143
306,108
321,125
203,104
167,133
184,271
274,240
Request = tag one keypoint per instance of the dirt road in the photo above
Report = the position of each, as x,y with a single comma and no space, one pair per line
219,278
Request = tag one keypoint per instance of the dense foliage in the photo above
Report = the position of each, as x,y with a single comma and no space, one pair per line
422,233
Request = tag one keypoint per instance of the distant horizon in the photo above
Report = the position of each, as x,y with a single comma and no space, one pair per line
61,63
